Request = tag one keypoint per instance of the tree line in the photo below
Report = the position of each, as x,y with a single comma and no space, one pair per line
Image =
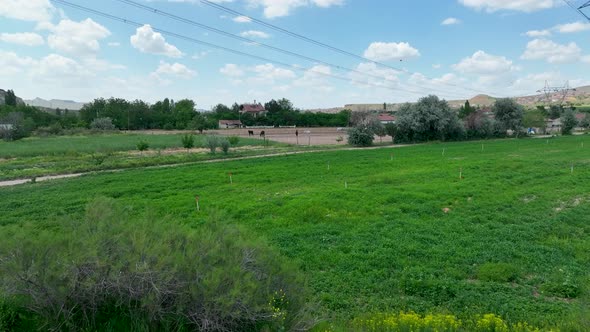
432,119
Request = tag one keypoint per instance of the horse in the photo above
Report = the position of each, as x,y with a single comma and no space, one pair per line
262,134
250,132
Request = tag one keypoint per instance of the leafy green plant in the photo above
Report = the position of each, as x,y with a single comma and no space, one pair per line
188,142
225,145
498,272
143,145
212,142
234,140
149,271
360,136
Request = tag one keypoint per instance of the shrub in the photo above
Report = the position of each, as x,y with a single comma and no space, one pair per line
233,140
212,142
360,137
562,284
188,141
225,145
143,145
498,272
102,124
115,270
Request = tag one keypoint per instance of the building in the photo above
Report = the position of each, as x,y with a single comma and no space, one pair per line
255,109
386,119
553,125
6,126
230,124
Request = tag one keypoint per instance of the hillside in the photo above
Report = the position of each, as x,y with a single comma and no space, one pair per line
3,96
580,96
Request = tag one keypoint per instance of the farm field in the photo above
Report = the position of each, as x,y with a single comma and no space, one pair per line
384,231
33,157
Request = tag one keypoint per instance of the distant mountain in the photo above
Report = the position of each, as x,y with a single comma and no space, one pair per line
55,103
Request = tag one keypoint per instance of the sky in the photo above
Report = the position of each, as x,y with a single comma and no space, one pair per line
405,49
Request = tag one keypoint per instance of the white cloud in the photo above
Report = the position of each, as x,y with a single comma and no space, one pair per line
114,44
380,51
436,66
375,75
12,64
254,34
538,33
23,38
232,70
148,41
481,63
79,38
552,52
450,21
315,79
572,27
279,8
242,19
27,10
269,73
55,67
515,5
174,69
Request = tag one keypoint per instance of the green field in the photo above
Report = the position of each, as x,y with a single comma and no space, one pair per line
72,145
515,240
35,156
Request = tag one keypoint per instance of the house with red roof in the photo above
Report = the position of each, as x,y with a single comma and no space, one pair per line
386,119
255,109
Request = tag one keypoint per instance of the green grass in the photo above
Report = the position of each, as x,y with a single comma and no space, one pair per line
515,242
34,157
71,145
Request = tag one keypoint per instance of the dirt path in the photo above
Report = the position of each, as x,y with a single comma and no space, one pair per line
11,183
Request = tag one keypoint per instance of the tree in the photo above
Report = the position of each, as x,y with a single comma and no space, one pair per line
509,113
585,123
391,130
10,98
568,122
466,110
212,142
188,142
381,132
555,112
103,124
360,136
534,119
428,119
142,146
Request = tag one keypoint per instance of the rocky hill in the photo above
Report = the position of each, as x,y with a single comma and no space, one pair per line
3,97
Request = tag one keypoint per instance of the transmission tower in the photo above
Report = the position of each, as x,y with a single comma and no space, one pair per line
556,94
583,9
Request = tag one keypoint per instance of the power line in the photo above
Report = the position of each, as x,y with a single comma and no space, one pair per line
248,40
223,48
579,9
321,44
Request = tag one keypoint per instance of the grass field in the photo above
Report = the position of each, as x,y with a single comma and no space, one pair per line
71,145
370,232
33,157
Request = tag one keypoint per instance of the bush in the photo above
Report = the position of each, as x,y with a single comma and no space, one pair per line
233,140
498,272
102,124
212,142
562,284
225,145
114,270
143,145
188,141
360,137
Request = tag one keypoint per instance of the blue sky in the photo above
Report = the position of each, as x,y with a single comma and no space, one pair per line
452,48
